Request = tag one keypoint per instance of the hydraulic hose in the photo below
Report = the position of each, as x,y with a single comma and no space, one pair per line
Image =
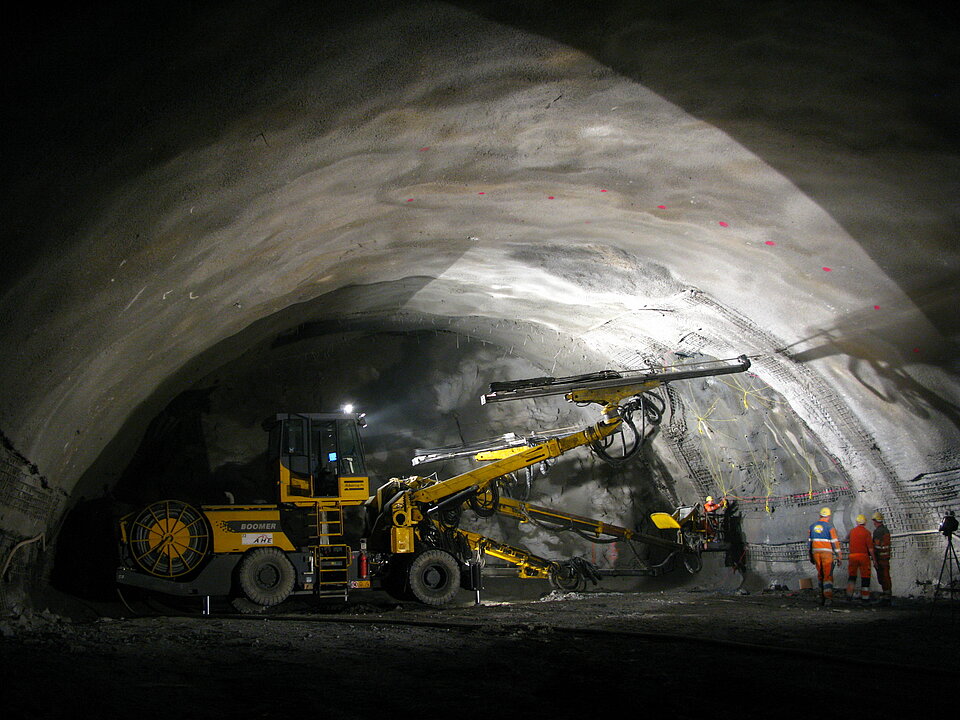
568,527
651,409
41,538
486,509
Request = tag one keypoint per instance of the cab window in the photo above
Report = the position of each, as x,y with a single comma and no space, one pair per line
325,469
294,446
351,451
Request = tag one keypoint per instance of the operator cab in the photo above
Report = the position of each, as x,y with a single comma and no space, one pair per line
318,455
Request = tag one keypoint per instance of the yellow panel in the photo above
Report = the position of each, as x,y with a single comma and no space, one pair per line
291,488
299,486
123,527
401,539
354,488
664,521
240,529
500,454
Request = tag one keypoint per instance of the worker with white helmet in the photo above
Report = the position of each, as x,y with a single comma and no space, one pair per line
824,550
859,556
881,558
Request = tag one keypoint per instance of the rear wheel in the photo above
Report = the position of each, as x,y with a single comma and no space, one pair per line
266,576
434,577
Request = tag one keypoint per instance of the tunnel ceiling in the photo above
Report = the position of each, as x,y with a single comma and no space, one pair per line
617,188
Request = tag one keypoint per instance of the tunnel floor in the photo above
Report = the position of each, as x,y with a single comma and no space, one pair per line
686,654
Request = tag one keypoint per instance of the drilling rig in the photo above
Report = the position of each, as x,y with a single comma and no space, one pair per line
327,535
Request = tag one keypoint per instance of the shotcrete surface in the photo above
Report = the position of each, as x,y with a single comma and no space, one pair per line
519,175
574,189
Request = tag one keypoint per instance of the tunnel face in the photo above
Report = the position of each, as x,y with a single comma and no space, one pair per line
270,208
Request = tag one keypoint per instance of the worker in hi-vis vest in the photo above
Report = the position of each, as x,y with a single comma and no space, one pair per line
824,550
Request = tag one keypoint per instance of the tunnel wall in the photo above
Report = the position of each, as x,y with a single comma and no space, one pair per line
614,198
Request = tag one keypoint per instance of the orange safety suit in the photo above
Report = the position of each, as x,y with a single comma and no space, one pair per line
824,545
881,546
858,563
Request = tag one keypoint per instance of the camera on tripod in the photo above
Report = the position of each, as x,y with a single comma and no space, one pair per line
949,524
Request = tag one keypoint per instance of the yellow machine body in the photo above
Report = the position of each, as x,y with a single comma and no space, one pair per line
663,521
240,528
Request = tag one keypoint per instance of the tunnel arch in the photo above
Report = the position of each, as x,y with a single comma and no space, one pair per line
507,186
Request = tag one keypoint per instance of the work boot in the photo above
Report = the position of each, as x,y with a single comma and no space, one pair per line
827,602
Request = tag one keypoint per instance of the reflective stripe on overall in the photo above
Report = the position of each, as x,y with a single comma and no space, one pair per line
823,544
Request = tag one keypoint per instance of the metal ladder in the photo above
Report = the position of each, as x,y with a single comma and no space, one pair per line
333,562
329,522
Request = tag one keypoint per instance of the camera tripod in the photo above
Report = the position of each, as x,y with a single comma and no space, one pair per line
949,554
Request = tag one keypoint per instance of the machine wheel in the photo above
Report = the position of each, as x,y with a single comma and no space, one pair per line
169,538
434,577
266,576
566,578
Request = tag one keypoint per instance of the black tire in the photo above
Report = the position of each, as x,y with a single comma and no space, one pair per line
567,579
434,577
266,576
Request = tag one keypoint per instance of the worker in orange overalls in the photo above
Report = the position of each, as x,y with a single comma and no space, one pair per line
881,557
711,509
824,549
860,555
711,506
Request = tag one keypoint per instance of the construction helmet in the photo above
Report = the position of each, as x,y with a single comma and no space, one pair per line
861,519
709,498
878,516
824,512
